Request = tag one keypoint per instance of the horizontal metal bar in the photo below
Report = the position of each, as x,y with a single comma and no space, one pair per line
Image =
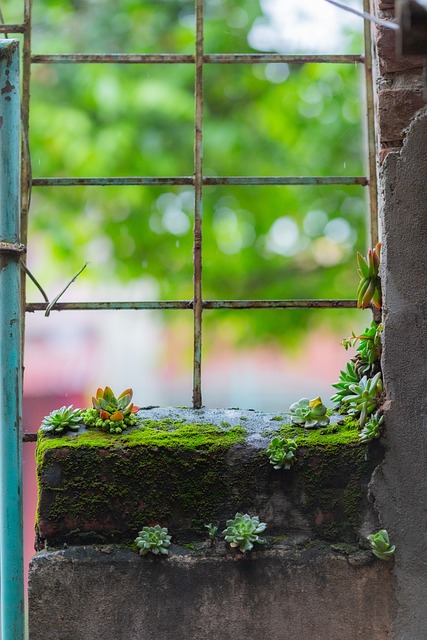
29,437
286,180
106,182
260,58
207,180
12,247
13,28
177,58
188,304
112,58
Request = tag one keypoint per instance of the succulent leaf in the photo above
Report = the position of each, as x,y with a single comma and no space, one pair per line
380,545
153,539
243,530
309,413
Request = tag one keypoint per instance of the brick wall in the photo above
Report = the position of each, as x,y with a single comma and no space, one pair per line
400,83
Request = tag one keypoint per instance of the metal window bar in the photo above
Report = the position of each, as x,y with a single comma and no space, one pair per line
198,180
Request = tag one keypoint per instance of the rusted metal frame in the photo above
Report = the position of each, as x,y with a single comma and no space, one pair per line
177,58
12,28
207,181
370,117
198,204
164,305
26,173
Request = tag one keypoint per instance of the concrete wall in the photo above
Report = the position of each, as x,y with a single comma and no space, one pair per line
400,485
281,594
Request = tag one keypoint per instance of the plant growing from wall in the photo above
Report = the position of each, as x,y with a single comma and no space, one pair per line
243,531
380,545
309,413
372,429
347,377
369,289
364,397
153,540
368,352
111,413
281,452
212,531
62,420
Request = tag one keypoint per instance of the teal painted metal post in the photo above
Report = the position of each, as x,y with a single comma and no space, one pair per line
11,524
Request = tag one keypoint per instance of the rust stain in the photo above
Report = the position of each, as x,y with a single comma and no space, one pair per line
8,88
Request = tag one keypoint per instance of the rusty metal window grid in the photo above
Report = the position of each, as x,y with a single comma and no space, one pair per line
198,181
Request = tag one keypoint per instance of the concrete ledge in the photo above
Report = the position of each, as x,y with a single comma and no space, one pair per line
283,593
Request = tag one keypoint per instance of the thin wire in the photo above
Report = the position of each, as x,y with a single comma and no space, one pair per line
365,15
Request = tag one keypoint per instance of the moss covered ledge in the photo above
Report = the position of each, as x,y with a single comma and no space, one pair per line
183,468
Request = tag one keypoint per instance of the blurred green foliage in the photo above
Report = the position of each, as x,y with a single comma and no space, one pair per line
125,120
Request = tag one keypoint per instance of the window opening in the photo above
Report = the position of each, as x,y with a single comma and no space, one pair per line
199,181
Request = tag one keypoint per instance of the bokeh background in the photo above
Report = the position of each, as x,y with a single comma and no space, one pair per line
259,242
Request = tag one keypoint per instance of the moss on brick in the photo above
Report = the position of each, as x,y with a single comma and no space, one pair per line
100,487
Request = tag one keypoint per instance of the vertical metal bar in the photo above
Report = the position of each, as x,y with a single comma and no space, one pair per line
11,526
25,115
370,114
198,194
26,174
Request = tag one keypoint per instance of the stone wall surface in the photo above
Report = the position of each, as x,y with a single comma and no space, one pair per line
283,594
400,484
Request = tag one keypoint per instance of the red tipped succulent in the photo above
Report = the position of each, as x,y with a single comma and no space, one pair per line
112,408
369,289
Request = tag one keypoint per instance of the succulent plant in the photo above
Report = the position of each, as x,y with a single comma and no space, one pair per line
61,420
309,413
153,540
212,530
111,413
380,544
372,428
364,397
281,452
369,289
243,530
347,377
112,408
368,353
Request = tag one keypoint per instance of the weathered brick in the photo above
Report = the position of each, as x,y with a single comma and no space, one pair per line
390,61
384,152
396,107
386,5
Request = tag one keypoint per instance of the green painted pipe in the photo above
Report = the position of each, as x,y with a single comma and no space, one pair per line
11,523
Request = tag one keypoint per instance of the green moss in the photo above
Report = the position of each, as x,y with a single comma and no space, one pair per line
278,418
141,477
164,433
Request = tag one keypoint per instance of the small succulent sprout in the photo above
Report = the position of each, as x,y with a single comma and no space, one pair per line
243,531
363,397
112,408
61,420
347,377
281,452
309,413
372,428
153,540
212,530
380,544
369,289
